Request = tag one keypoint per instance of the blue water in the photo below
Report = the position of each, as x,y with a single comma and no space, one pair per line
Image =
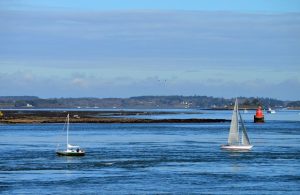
150,159
281,115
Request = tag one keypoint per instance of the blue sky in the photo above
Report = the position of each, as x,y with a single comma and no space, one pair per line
204,5
123,48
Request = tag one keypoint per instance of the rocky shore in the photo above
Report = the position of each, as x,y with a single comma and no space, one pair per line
30,116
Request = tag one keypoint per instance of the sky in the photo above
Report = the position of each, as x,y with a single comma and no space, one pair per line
124,48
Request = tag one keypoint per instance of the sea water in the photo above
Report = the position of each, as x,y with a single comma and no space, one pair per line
151,159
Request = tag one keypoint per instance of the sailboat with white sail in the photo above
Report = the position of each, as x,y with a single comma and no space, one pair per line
71,150
235,142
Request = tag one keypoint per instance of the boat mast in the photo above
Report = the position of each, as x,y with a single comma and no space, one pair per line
68,120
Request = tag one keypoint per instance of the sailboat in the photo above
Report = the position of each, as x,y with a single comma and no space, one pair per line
234,140
71,150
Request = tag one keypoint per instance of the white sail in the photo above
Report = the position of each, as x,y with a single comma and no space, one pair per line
233,137
245,138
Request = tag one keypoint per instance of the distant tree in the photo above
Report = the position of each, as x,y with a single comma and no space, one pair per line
247,102
256,102
20,103
294,104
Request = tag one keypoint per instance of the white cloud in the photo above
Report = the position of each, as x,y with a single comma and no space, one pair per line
79,82
85,86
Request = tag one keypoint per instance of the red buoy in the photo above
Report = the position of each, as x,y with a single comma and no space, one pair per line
259,116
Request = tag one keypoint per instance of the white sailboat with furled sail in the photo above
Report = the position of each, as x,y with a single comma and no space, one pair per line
71,150
235,142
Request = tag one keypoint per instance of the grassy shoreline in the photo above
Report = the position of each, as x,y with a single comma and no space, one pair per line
27,117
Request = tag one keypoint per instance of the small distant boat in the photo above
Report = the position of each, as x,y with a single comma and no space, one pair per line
234,140
70,149
270,111
245,111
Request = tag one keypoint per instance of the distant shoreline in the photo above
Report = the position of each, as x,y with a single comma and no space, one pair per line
144,102
32,117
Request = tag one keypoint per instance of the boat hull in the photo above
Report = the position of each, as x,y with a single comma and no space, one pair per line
237,147
65,153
